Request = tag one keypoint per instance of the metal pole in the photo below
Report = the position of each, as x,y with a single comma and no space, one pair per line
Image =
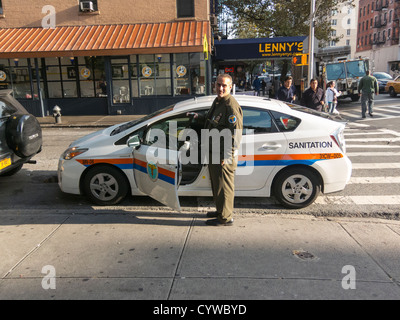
311,43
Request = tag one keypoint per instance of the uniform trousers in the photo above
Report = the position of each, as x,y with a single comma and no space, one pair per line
223,189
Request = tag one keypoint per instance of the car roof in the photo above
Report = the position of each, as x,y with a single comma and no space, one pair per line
243,100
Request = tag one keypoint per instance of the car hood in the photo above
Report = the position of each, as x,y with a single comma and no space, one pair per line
95,138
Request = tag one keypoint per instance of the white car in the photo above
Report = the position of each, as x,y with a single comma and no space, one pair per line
290,152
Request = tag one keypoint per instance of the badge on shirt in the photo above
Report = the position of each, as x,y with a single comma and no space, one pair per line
232,119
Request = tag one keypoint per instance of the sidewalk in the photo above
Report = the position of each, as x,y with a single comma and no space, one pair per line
99,121
139,254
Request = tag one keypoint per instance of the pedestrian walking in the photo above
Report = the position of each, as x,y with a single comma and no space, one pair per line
257,86
314,96
331,97
367,87
287,92
263,86
225,113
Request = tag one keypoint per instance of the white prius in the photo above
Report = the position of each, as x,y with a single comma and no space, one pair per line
289,152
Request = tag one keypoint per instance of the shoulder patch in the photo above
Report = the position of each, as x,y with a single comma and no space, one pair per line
232,119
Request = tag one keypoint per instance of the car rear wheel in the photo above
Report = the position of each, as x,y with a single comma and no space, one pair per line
296,188
105,185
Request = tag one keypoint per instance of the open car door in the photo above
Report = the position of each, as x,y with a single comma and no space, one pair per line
157,172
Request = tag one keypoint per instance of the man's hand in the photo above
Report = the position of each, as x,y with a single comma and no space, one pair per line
192,114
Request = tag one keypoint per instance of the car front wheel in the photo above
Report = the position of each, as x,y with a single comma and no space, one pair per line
105,185
296,188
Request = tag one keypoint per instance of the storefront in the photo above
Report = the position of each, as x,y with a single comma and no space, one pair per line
235,56
124,69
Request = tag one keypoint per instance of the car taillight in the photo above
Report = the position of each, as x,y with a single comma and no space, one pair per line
338,138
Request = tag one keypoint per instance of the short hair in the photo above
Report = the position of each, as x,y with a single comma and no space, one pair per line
367,72
225,75
288,78
312,80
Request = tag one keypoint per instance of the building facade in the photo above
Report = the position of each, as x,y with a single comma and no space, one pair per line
344,25
105,57
378,34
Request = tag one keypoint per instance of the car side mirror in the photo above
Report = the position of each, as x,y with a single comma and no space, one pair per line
134,142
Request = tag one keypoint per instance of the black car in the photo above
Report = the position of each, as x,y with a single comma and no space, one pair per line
382,78
20,135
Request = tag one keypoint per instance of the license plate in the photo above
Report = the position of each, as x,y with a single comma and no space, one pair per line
5,163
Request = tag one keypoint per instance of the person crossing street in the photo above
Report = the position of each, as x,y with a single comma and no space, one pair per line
367,87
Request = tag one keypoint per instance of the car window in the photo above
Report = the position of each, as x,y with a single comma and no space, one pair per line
166,130
6,109
285,122
256,119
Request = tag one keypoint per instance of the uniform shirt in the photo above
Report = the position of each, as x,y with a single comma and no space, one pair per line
368,84
312,99
226,113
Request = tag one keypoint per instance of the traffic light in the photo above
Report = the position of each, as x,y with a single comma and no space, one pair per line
300,60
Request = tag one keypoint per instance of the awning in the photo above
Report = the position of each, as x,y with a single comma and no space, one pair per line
98,40
258,48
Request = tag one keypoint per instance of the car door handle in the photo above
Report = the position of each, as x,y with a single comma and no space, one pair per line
271,146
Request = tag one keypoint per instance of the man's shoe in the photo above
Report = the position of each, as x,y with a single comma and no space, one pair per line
371,115
212,214
218,223
363,117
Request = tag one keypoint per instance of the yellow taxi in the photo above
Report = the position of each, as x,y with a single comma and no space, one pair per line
393,87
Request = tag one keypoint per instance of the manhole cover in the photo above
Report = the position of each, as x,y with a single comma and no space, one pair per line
303,255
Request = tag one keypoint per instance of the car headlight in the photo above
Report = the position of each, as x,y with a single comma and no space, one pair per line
71,153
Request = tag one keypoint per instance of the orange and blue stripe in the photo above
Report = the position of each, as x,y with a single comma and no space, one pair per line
163,174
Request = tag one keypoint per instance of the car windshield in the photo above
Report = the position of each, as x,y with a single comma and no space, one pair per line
335,71
130,124
355,68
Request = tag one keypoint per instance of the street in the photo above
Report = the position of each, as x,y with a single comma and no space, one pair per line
373,146
345,246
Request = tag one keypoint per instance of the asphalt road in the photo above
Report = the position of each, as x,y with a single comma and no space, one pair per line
373,145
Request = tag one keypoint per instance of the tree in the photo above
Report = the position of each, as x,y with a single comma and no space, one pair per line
282,18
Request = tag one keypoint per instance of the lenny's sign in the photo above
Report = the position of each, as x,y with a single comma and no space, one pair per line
280,49
237,49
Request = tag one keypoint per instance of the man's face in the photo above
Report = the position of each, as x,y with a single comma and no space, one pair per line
223,87
314,85
288,83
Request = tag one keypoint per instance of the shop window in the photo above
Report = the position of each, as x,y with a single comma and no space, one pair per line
69,74
189,75
53,77
155,74
5,74
185,8
120,80
20,78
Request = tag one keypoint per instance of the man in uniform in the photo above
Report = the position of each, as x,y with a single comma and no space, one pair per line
225,113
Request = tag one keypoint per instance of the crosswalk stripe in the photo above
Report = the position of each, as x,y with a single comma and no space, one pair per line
382,165
360,200
372,154
368,180
372,146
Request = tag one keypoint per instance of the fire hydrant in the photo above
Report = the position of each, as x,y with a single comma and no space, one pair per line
57,114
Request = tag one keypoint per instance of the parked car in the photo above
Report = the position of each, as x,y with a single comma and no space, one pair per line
20,135
292,153
393,87
382,78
